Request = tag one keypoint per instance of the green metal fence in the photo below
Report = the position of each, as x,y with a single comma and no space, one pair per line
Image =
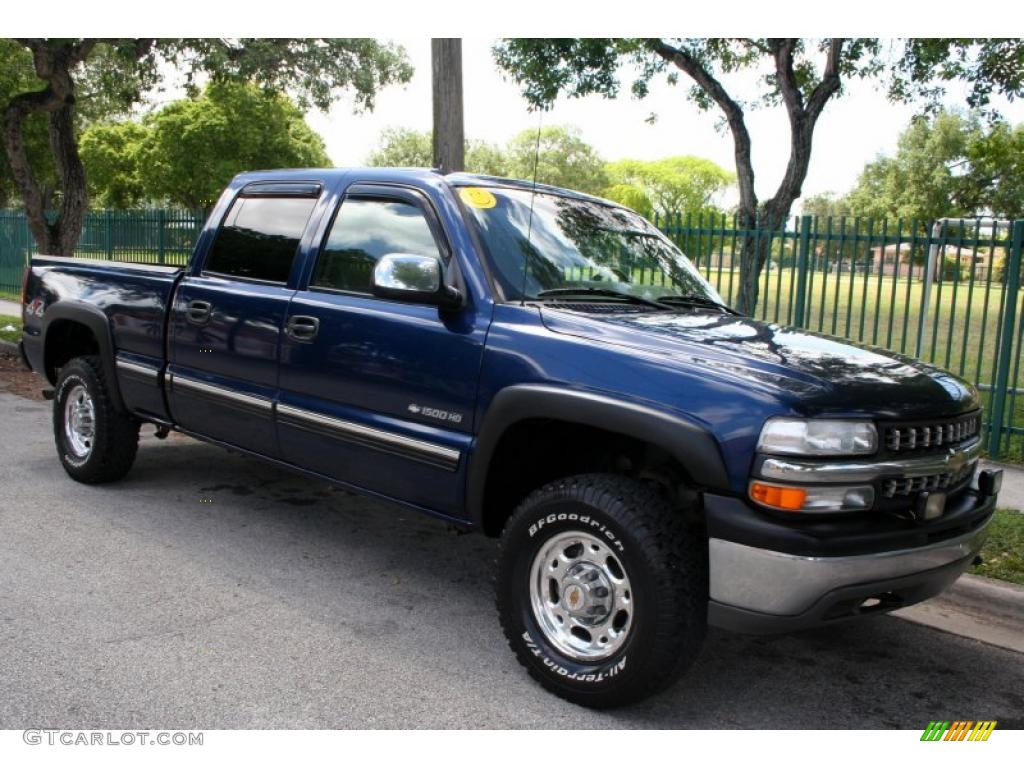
948,292
154,236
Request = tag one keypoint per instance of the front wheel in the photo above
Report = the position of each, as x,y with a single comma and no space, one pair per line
602,589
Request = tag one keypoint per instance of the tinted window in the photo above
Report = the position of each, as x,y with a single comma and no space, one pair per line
365,230
259,237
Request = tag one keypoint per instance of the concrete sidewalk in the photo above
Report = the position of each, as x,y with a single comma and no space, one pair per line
982,609
12,308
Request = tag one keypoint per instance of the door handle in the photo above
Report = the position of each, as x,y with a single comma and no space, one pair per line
302,327
198,312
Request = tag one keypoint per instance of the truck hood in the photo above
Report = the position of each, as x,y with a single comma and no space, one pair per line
815,373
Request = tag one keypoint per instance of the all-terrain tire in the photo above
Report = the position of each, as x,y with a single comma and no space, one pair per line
109,452
665,564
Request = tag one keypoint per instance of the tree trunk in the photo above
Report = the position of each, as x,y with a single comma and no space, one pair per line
54,61
449,139
803,115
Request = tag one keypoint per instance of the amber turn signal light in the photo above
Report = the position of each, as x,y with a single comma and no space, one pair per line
778,496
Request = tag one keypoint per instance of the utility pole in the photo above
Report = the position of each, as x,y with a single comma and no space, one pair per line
449,140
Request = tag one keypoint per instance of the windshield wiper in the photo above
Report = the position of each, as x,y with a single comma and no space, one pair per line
610,293
695,300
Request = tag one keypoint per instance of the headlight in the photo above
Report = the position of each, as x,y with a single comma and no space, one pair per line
818,437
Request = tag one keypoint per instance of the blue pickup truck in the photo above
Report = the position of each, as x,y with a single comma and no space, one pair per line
544,367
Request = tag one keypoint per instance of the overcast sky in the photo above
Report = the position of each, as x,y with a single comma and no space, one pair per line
852,130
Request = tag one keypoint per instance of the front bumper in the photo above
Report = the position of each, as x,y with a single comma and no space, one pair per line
767,576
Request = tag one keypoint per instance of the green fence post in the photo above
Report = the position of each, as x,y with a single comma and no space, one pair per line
110,235
1012,277
161,222
803,259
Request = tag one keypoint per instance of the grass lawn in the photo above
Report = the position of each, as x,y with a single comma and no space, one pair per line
15,335
1004,551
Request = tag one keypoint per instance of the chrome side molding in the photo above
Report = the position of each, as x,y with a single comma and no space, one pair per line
230,397
143,372
341,429
370,437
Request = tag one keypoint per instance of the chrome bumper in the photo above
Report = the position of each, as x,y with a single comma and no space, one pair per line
761,591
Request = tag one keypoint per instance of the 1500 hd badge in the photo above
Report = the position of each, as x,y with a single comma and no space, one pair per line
435,413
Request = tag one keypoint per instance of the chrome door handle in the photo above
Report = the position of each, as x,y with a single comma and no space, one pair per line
303,327
198,311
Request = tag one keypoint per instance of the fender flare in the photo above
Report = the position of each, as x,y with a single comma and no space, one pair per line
689,443
93,319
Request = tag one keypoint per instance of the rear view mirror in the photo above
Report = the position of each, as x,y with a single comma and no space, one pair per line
415,278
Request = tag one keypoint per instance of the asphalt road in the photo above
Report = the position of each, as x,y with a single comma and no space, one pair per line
281,603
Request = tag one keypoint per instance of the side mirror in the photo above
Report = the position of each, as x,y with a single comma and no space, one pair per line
414,278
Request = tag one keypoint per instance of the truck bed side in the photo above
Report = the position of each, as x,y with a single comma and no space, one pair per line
116,309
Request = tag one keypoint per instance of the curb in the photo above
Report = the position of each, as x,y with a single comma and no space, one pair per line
975,607
9,346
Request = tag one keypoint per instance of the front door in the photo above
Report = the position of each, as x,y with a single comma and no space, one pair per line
382,396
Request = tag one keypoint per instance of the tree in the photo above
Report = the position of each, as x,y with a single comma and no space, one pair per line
120,71
194,146
631,196
17,75
562,159
946,165
672,185
110,155
403,148
825,205
801,75
406,148
995,177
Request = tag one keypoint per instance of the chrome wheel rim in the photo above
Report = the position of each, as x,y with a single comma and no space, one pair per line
581,596
79,421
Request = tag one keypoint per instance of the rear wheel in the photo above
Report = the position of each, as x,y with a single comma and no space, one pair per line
96,440
602,589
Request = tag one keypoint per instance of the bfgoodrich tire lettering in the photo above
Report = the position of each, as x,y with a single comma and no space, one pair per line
112,440
663,561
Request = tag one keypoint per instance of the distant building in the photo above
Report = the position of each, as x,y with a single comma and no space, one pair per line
886,259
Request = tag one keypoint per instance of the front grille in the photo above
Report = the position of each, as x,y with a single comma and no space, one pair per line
921,436
908,486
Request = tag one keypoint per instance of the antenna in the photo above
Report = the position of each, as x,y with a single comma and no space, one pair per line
533,197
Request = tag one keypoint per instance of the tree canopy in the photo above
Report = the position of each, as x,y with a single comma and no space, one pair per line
800,74
186,152
562,159
946,165
407,148
673,185
117,73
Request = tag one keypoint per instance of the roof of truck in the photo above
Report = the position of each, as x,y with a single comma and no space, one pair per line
428,175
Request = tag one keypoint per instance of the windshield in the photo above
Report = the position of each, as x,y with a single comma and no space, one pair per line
574,243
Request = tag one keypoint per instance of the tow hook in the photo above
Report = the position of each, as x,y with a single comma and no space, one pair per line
990,481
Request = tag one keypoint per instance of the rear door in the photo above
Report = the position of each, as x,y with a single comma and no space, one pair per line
382,395
227,320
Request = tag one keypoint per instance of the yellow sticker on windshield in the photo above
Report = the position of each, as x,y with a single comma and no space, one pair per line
475,197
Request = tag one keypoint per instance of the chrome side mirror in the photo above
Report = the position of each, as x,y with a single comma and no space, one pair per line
415,278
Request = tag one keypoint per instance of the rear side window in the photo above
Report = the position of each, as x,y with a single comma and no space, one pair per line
363,231
259,238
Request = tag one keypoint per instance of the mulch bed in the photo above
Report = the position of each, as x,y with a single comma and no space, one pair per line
15,380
